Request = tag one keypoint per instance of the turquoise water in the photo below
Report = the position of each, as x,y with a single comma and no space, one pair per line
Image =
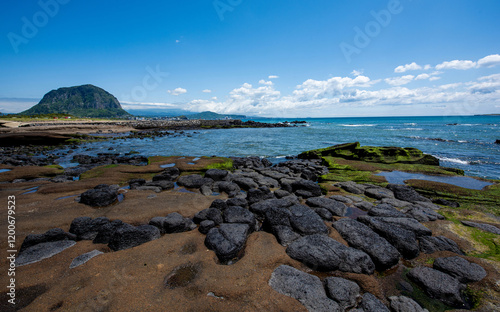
398,177
466,143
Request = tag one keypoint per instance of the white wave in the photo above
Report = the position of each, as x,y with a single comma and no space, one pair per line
413,129
367,125
281,156
410,124
454,160
462,141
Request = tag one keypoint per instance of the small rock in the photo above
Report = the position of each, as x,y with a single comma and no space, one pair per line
128,236
385,210
306,188
193,181
371,303
406,193
305,221
216,174
343,291
259,194
205,226
213,214
336,208
431,244
485,227
42,251
405,304
379,193
100,196
228,240
235,214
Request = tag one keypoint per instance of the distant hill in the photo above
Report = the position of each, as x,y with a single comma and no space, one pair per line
158,112
79,101
212,115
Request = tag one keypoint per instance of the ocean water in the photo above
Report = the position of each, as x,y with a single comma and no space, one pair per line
466,143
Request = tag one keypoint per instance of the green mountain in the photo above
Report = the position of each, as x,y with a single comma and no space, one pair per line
79,101
212,116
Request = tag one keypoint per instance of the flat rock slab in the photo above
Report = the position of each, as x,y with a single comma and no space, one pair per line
438,285
42,251
307,289
82,259
485,227
323,253
461,269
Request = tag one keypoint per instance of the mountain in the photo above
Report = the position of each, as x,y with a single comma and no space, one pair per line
79,101
212,115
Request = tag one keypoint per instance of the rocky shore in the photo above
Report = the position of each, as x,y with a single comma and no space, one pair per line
140,233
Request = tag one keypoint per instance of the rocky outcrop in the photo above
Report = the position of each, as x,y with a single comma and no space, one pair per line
100,196
228,240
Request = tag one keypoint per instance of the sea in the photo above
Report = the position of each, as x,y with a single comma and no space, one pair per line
464,142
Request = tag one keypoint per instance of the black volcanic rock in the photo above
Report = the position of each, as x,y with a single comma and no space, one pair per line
81,101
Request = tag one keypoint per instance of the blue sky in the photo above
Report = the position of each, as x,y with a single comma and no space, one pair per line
262,58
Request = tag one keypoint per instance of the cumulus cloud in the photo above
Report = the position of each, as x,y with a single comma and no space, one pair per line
456,64
434,78
357,73
267,83
399,81
207,91
177,91
273,77
489,61
406,67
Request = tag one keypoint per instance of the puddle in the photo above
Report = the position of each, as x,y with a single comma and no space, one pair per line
182,276
76,178
64,197
191,163
354,212
398,177
31,190
120,197
182,158
125,187
183,190
196,159
5,170
167,165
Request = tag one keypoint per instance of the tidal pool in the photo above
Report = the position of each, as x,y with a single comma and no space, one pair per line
398,177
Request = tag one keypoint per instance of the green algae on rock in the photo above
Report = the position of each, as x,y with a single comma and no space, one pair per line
385,155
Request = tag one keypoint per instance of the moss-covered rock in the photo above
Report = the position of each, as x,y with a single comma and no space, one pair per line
385,155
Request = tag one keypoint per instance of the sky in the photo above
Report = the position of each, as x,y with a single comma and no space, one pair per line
273,58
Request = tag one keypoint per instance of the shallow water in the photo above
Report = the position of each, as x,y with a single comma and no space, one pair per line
465,143
398,177
4,170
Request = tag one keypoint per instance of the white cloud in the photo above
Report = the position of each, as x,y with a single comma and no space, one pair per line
489,61
214,98
406,67
434,78
456,64
427,67
273,77
422,76
356,73
177,41
399,81
177,91
267,83
207,91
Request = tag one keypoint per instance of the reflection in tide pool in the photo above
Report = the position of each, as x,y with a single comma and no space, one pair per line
398,177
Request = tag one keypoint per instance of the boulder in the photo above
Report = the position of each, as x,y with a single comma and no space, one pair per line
431,244
237,201
228,240
42,251
128,236
52,235
169,174
438,285
306,288
395,202
86,228
219,204
173,223
352,187
235,214
259,194
408,224
461,269
284,234
213,214
163,184
422,214
107,231
405,304
370,303
360,236
405,241
406,193
205,226
323,253
100,196
444,202
230,188
336,208
246,183
342,199
260,208
385,210
379,193
305,221
306,188
325,214
343,291
281,193
193,181
216,174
